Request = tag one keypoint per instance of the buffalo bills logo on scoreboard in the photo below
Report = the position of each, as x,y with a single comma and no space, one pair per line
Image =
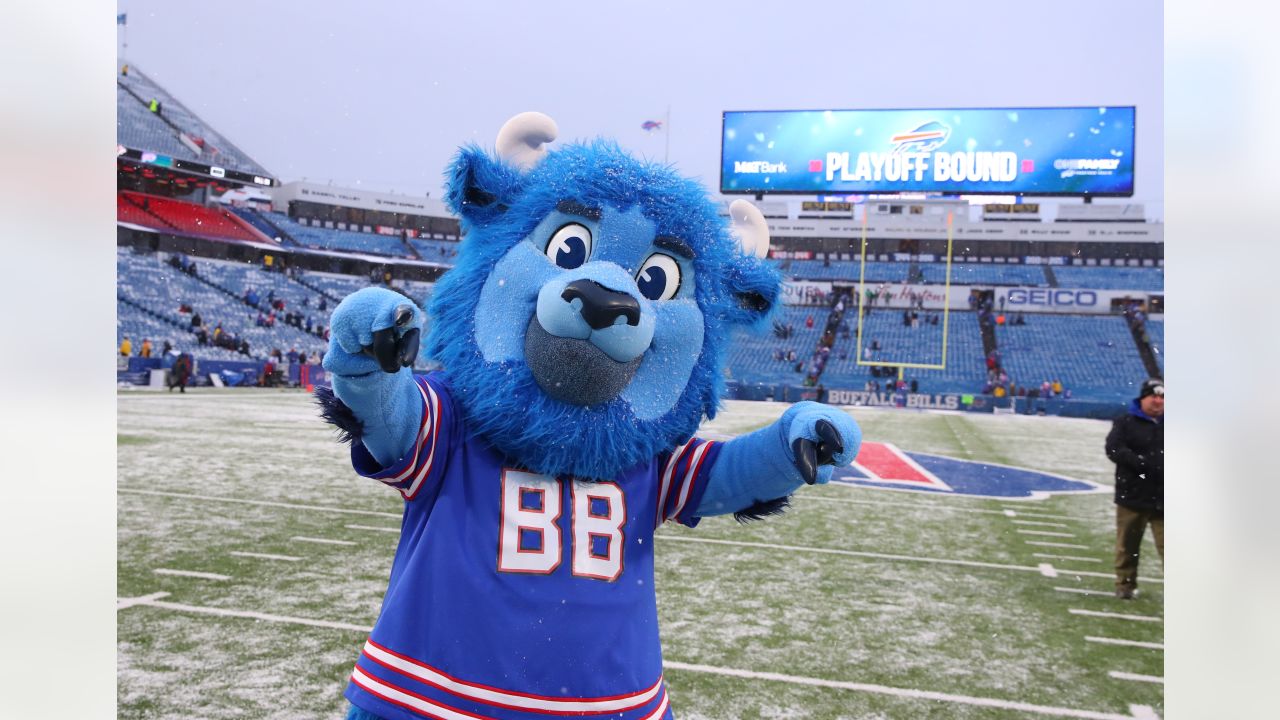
929,136
881,465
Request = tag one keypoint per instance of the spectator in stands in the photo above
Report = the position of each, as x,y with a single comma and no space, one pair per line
808,321
309,325
1057,388
293,355
145,351
1136,445
324,304
244,346
126,346
202,336
1046,389
915,386
166,349
217,333
196,320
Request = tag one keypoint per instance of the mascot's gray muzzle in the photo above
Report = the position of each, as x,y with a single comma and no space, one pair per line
585,340
572,370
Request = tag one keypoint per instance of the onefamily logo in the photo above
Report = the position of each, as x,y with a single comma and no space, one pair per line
884,466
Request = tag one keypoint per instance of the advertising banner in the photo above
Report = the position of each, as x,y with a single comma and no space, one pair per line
799,292
1005,151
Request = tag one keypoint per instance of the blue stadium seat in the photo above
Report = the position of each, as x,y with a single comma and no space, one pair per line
1094,356
1110,278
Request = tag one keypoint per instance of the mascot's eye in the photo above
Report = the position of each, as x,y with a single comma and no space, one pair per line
659,277
570,246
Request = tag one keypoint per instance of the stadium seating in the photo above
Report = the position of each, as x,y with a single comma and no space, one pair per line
984,274
843,270
1110,278
1094,356
337,286
341,240
965,368
439,251
218,150
154,291
750,356
259,223
186,218
1155,332
139,128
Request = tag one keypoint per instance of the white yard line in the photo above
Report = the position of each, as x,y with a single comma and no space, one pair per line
1047,570
1041,523
909,693
265,556
921,506
1110,576
1043,533
1044,516
850,553
122,603
266,503
1057,545
1143,712
191,573
370,527
321,541
223,612
1121,616
1127,643
1065,557
1134,676
899,692
1010,513
1086,591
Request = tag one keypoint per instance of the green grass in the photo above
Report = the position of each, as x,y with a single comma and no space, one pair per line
902,623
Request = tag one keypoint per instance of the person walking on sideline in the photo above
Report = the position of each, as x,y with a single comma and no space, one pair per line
1136,445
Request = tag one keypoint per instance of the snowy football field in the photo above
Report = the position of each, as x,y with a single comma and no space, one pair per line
252,561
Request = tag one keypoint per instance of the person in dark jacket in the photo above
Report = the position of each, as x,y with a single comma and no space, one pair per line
1136,445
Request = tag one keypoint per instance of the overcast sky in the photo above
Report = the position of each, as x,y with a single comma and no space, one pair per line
379,96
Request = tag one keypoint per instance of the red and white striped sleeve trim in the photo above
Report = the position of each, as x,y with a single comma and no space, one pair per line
409,480
673,483
495,697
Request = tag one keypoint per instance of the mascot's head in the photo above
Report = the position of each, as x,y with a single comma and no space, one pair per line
585,323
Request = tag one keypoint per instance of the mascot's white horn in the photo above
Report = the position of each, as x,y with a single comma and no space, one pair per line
520,141
748,224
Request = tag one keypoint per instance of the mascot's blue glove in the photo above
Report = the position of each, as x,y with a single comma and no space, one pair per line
805,445
374,335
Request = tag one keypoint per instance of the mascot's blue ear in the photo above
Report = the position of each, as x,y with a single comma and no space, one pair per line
479,187
755,286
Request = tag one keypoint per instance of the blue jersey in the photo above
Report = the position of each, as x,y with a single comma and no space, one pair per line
516,595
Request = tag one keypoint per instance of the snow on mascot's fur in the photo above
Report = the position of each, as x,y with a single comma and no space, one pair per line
582,335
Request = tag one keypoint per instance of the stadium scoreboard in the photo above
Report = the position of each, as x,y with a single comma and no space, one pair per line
211,171
1075,151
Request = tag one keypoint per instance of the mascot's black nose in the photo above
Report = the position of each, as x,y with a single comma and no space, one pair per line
601,307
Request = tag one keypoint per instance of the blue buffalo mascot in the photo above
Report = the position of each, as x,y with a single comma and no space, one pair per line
582,335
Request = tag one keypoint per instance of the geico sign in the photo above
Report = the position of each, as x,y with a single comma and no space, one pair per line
1049,296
